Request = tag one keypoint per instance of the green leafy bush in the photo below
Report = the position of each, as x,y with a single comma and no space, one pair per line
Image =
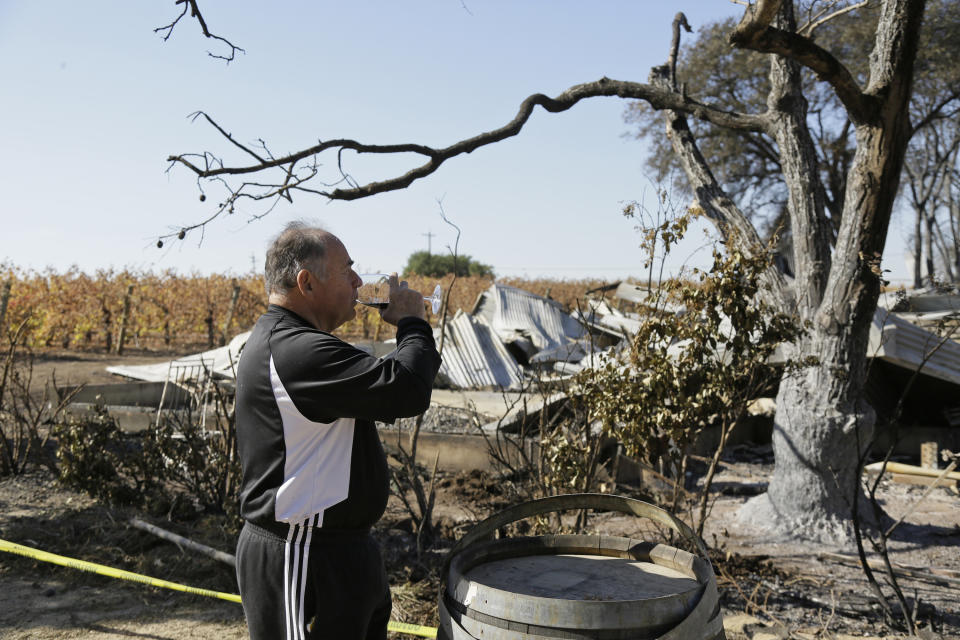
685,371
423,263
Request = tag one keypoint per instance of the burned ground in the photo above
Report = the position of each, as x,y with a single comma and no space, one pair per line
780,588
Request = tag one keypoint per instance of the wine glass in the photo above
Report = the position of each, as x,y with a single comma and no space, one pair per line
374,292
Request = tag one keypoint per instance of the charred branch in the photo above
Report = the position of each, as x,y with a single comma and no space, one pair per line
874,178
718,207
680,20
811,239
296,175
191,5
206,165
827,68
895,49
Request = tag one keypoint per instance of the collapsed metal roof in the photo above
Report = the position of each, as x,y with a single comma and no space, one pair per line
929,300
652,297
516,314
474,357
217,363
475,354
905,344
600,316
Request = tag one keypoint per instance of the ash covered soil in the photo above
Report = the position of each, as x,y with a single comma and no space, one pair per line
770,589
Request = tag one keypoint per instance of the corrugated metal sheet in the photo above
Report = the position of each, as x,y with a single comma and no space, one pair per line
474,357
919,301
903,343
598,360
219,362
595,323
514,313
570,352
600,316
621,324
655,298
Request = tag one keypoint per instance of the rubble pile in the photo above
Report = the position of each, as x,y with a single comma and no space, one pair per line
512,336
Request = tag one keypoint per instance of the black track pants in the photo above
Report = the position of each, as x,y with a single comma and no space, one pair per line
312,584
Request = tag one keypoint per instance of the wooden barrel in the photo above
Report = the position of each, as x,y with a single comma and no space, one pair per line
577,586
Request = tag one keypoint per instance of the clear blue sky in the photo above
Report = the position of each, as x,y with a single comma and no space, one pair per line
94,102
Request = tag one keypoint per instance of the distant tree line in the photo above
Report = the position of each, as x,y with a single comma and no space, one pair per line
424,263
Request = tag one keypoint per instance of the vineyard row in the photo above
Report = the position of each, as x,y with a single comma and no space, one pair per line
113,310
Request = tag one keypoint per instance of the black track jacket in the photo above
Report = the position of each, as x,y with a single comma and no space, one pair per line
306,405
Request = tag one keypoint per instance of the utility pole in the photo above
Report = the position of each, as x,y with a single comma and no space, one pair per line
429,242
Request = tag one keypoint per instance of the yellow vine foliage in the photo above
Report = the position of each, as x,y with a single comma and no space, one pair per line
174,312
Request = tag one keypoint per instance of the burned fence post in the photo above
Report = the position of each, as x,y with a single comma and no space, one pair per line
107,319
124,320
4,300
209,322
230,311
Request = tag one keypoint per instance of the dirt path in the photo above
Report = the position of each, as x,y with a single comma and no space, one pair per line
49,609
45,601
73,368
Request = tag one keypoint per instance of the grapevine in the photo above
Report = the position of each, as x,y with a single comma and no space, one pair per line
173,312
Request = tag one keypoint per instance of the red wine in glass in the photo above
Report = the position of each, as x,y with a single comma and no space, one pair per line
374,292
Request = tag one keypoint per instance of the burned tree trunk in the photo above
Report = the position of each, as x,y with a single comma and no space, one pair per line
821,416
822,422
820,429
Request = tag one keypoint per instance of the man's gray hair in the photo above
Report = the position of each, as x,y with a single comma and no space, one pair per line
298,246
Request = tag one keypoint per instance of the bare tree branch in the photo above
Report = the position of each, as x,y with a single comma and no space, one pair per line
295,177
820,19
755,32
894,53
680,20
716,204
854,281
936,112
167,30
805,193
757,17
816,9
228,136
660,98
711,198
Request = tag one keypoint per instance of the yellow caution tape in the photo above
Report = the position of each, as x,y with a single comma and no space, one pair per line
83,565
412,629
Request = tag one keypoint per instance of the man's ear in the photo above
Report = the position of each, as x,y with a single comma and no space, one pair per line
305,281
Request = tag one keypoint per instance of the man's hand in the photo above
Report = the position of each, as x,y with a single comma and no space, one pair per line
404,302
